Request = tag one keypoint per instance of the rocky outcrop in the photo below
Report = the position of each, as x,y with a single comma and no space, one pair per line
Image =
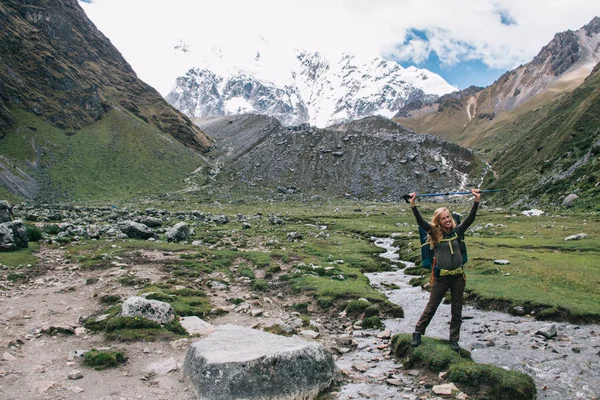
559,66
5,211
13,236
237,362
372,158
154,310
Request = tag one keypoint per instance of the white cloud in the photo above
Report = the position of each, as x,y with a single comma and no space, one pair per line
229,33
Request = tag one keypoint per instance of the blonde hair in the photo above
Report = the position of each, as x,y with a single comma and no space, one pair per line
435,236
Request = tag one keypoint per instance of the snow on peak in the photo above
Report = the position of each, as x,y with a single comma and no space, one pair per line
310,87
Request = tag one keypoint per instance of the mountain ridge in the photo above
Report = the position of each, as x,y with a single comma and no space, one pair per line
320,91
57,65
559,67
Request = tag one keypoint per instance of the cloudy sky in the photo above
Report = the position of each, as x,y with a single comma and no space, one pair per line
467,42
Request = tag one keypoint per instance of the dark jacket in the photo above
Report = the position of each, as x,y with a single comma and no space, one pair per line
446,258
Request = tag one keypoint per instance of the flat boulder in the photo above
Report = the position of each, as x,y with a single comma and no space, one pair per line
236,362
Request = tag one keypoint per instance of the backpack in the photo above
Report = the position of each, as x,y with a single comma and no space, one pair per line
428,254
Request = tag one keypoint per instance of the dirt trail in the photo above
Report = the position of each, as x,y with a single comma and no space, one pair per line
36,365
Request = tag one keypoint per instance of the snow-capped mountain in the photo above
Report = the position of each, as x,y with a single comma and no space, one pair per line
321,91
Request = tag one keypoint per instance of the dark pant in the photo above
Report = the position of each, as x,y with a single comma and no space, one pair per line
456,284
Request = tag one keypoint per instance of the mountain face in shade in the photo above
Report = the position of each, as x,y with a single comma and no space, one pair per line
55,64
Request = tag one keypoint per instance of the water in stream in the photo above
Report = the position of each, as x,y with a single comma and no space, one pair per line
564,367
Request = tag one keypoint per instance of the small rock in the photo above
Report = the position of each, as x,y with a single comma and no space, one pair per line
80,331
162,367
548,331
75,374
446,389
44,386
360,366
180,344
501,262
75,389
386,334
578,236
8,357
309,333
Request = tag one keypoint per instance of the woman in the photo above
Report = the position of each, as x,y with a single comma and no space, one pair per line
444,237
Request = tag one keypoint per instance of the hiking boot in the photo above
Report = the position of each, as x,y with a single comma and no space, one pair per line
455,346
416,340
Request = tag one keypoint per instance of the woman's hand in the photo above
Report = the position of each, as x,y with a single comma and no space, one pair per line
477,194
412,197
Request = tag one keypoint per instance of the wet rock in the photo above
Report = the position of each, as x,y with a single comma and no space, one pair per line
238,362
548,331
445,389
519,310
360,366
386,334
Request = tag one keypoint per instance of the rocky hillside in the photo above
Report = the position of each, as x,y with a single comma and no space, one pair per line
559,67
55,64
551,152
371,158
75,121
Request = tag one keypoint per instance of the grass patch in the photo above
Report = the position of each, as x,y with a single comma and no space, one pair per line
480,381
102,359
21,257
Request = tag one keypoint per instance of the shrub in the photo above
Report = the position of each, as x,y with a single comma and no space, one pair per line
371,311
356,307
33,233
300,307
51,229
372,323
260,285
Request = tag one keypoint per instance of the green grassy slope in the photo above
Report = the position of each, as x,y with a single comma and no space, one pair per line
118,157
551,151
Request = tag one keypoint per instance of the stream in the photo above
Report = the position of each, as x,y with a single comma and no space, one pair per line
566,366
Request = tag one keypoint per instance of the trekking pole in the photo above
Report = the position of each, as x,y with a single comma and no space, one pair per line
407,197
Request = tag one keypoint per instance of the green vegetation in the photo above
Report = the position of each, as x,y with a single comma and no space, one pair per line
104,161
480,381
102,359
